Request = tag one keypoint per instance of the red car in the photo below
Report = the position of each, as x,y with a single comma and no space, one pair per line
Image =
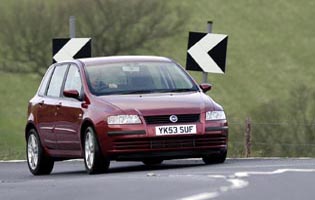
124,108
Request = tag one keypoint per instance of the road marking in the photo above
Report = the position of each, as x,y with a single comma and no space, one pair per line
237,182
202,196
278,171
12,161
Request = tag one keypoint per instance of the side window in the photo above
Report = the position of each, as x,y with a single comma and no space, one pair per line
56,81
45,80
73,81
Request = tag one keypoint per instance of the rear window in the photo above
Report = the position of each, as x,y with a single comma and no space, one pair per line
56,81
43,85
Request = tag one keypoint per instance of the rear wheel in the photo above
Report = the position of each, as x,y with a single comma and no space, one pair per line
38,162
152,162
215,158
94,161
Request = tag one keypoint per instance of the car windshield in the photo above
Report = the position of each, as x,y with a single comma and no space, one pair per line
138,78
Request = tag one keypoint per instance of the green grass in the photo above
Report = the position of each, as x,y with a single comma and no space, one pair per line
270,50
15,92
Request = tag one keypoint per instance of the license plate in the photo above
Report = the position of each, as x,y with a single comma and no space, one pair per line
175,130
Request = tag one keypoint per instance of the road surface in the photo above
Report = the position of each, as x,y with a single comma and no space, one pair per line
177,179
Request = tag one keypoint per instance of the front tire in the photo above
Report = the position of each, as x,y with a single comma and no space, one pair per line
93,159
215,158
38,162
152,162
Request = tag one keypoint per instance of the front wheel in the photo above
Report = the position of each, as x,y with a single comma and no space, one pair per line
38,162
152,162
94,161
215,158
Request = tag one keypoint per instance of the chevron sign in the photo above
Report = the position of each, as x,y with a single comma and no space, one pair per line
71,48
206,52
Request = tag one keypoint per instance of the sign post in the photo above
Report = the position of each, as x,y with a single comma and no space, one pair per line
72,26
205,74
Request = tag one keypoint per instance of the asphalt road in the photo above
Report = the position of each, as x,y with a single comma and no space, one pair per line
177,179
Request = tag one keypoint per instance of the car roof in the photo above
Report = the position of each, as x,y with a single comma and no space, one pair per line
113,59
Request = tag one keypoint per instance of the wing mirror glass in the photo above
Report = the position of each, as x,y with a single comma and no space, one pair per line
205,87
71,94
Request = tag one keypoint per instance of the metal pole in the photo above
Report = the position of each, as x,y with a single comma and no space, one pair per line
72,26
205,74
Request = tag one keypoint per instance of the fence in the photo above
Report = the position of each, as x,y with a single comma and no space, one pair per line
285,139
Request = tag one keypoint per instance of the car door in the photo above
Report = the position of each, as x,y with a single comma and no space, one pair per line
43,116
48,105
69,116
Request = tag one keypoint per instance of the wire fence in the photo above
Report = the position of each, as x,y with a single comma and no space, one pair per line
284,138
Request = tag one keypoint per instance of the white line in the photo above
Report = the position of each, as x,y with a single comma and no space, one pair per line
258,158
278,171
12,161
73,160
202,196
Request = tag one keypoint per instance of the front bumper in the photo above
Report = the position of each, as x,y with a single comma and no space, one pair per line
137,142
166,155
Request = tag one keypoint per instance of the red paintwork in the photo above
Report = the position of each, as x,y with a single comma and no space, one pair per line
59,120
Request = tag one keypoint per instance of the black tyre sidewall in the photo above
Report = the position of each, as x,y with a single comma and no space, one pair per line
215,158
152,162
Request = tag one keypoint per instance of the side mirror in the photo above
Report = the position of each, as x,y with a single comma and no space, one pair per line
71,94
205,87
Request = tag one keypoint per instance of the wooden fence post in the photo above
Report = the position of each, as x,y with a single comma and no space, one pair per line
248,132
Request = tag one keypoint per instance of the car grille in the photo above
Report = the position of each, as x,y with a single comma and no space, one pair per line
212,140
163,119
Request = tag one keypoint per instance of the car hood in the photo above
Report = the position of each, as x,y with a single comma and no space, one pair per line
161,103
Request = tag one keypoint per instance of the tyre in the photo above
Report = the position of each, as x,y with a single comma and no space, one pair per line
93,159
152,162
38,162
215,158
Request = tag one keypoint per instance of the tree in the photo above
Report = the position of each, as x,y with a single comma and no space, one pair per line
27,30
121,27
115,26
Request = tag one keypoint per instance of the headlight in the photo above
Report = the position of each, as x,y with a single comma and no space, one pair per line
124,119
215,115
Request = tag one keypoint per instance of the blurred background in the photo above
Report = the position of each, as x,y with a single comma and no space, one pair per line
269,78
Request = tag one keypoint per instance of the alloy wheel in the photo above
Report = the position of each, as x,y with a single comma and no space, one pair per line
89,150
32,151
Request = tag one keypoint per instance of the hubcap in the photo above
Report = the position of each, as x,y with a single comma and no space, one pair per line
89,150
32,151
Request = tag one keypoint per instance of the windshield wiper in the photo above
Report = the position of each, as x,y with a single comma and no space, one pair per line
181,90
138,92
150,91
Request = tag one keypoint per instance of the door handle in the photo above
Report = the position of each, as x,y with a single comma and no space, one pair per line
41,102
59,105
